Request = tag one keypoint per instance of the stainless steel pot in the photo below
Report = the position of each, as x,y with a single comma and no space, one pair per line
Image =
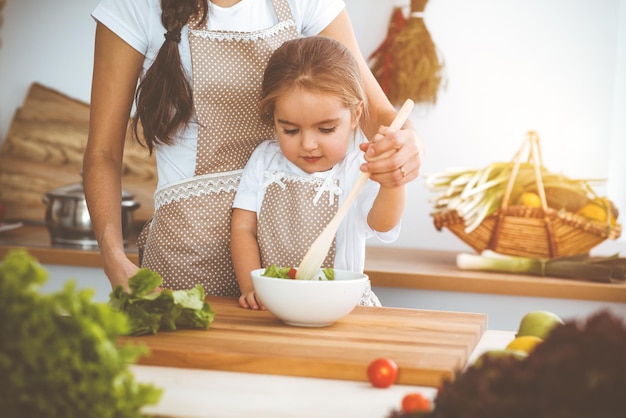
68,220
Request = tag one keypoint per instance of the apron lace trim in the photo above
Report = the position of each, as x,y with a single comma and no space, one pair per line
198,186
327,184
243,36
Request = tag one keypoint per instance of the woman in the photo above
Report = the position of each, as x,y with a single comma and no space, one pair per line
200,66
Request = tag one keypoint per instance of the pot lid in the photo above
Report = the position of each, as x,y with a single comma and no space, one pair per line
76,191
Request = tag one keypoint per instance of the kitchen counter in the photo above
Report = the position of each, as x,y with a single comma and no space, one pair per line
389,267
248,363
194,393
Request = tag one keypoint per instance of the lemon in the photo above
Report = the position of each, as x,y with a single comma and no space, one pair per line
593,211
525,343
597,210
530,200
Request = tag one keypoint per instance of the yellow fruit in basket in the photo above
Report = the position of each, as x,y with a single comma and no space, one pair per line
596,212
608,203
525,343
530,200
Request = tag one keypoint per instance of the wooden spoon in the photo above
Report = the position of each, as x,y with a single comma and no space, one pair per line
314,258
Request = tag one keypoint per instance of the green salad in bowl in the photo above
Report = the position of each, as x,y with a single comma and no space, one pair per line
290,273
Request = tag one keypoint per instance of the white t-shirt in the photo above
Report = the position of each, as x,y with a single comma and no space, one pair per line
353,230
138,22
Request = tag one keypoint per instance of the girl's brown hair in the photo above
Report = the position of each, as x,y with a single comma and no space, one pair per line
315,64
164,98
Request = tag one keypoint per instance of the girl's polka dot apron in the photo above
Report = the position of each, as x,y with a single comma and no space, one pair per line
188,240
305,204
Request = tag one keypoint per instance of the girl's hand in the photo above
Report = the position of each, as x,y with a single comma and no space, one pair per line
249,300
393,158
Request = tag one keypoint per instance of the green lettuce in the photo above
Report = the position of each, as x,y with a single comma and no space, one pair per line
59,354
282,272
151,310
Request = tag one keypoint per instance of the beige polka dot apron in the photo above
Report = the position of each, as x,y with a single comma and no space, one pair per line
304,204
188,240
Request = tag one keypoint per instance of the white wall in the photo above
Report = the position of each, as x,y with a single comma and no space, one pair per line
47,41
557,67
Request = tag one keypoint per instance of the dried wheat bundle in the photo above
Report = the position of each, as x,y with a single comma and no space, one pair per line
407,63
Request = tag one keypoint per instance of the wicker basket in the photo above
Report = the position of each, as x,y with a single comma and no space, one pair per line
530,232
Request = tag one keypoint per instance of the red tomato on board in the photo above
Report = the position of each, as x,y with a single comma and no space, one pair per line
414,402
382,372
292,273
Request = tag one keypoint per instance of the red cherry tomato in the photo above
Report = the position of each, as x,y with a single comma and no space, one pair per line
382,372
292,273
415,402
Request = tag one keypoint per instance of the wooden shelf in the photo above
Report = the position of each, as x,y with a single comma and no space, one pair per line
36,239
386,266
436,270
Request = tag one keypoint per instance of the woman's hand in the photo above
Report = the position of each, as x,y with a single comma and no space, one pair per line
393,158
124,270
405,147
249,300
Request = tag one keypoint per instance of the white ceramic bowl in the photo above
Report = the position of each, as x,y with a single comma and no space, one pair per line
310,303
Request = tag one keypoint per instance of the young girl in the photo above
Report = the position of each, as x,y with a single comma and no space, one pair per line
291,187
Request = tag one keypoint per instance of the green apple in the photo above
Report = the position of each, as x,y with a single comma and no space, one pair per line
538,324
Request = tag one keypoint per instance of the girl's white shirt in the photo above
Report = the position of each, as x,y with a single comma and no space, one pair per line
138,22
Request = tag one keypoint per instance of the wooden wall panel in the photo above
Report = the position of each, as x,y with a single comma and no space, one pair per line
44,148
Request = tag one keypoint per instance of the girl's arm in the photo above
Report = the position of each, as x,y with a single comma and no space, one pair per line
244,249
387,208
116,70
409,147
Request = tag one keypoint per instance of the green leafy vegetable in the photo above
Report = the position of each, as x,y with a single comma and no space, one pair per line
151,310
283,272
578,267
278,272
59,355
329,273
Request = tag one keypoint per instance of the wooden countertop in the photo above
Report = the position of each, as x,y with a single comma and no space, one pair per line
386,266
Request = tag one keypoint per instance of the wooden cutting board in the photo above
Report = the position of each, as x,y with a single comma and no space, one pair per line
428,346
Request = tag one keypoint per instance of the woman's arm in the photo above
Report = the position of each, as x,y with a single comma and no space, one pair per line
407,144
116,70
244,249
